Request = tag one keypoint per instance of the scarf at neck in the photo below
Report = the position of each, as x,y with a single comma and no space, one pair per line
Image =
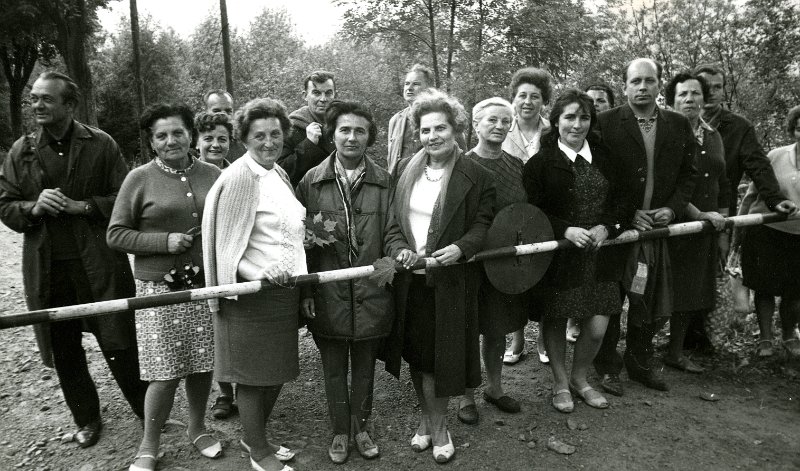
348,190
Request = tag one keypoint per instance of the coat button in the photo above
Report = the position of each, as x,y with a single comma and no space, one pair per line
702,152
183,179
641,179
359,300
189,194
194,215
360,240
430,231
705,174
358,210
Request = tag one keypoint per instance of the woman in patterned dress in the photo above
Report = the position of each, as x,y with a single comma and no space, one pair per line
573,180
157,218
253,229
498,313
694,258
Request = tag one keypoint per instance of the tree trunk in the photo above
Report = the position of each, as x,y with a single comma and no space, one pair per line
226,46
434,51
450,38
137,75
17,68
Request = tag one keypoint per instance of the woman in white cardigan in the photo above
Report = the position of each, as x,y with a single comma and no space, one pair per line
254,230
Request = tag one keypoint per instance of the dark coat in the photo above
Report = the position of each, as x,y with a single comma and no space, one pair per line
466,216
299,154
675,146
96,172
549,181
356,309
744,154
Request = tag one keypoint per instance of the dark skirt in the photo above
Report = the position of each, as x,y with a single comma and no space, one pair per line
419,336
256,338
694,262
500,313
771,261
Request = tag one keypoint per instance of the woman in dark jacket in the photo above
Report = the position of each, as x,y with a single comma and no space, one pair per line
442,208
348,318
573,180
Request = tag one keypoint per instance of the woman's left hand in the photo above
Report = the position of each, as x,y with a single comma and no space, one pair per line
275,275
599,233
716,219
448,255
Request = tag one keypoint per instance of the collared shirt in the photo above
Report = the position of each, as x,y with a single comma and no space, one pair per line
585,151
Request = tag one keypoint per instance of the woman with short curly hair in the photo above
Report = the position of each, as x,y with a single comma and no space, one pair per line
214,133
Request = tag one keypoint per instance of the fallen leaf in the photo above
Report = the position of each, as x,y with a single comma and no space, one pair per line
560,447
711,397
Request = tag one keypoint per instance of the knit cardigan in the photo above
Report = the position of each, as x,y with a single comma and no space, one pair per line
228,220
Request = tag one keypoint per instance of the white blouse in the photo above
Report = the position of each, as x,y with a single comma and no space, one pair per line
279,229
421,203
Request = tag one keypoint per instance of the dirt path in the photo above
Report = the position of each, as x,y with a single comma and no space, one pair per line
755,425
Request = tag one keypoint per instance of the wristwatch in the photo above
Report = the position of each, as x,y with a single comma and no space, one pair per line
87,209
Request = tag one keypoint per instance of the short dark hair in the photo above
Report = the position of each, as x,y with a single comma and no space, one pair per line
568,97
602,87
711,69
659,69
339,108
791,120
207,122
425,71
669,91
534,76
319,76
158,111
71,93
216,91
261,108
431,101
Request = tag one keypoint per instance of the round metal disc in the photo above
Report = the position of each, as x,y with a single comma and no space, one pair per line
518,224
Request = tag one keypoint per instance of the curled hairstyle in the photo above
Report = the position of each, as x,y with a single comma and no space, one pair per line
207,122
425,71
602,87
319,76
480,108
568,97
791,121
432,101
168,110
655,63
260,108
669,92
534,76
339,108
71,92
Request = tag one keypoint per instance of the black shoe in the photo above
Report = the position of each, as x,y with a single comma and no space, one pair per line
612,384
645,375
89,434
468,414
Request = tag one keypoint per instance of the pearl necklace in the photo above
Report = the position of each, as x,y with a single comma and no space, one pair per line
432,180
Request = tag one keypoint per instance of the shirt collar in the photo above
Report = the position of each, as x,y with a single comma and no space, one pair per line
255,166
45,138
585,151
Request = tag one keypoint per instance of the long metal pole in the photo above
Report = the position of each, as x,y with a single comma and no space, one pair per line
117,305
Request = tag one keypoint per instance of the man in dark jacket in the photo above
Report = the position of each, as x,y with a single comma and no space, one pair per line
58,187
657,149
306,147
220,101
743,153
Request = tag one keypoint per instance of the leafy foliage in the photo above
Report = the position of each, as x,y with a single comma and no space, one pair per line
319,232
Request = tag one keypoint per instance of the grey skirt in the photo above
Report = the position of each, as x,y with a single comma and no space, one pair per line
255,338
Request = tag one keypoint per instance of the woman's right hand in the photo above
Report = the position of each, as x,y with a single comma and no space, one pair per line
178,242
579,236
407,257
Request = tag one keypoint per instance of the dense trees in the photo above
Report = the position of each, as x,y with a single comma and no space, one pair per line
473,48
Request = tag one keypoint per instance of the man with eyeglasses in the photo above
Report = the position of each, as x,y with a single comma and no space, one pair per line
307,145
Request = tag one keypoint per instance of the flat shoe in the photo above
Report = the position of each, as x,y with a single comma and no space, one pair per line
590,397
684,364
151,458
504,403
283,453
338,451
792,347
89,434
511,358
543,358
612,384
764,348
212,451
562,401
257,466
420,442
365,446
443,454
468,414
223,408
